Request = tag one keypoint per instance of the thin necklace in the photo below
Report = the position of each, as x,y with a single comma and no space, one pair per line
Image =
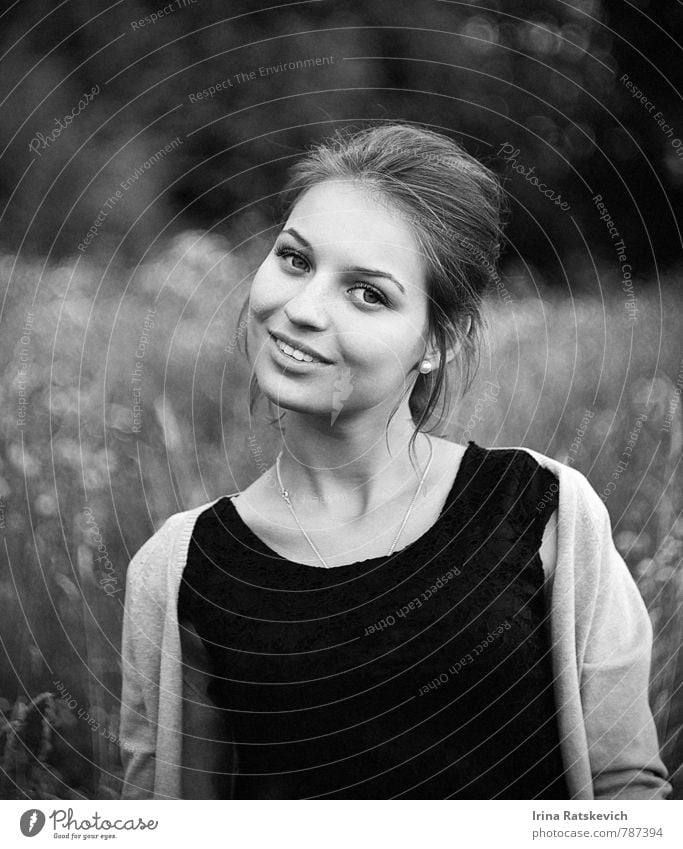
285,495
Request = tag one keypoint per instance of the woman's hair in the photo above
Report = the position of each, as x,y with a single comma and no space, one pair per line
454,205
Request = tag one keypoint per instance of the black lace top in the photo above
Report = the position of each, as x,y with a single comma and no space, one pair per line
426,675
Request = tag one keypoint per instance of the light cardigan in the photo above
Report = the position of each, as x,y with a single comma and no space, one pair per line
601,647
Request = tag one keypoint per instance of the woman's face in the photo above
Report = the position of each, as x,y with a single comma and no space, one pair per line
344,289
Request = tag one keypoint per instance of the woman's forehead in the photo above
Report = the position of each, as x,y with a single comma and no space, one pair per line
347,218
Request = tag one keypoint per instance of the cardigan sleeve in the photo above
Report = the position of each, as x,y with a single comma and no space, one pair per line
140,655
615,654
209,756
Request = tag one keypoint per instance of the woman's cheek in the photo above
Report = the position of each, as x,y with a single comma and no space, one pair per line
267,283
379,372
395,352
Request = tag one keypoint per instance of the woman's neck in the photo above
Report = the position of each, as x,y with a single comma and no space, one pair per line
351,466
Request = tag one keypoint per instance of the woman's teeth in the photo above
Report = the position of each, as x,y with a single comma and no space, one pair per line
294,352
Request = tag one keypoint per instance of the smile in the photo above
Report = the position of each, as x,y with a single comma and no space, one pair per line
294,355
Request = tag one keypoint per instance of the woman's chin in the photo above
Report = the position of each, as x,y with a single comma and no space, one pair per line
294,400
311,407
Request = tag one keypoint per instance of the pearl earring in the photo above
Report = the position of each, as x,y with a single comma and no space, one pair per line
425,367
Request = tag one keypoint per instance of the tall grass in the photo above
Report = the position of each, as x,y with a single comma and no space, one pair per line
124,399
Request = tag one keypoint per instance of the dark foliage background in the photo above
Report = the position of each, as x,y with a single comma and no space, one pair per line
150,304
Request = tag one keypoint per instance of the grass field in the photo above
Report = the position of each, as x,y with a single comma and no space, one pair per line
123,400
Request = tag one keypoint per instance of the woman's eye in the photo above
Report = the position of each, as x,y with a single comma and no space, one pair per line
368,295
294,258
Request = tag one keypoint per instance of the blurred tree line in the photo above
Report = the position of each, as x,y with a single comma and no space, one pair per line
123,394
542,77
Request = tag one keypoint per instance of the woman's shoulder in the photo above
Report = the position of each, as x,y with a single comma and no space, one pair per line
583,521
578,501
151,562
508,454
577,490
572,479
513,470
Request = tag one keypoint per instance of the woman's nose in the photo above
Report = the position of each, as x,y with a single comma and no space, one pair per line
310,304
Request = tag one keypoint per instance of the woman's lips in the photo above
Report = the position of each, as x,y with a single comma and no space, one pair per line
290,360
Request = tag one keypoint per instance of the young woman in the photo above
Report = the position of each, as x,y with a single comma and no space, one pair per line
385,613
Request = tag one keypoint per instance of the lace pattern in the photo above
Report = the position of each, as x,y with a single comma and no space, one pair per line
423,675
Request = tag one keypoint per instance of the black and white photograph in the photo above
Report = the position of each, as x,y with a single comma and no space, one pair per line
341,441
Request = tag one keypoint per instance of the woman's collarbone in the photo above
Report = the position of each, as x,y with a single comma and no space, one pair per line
337,539
348,539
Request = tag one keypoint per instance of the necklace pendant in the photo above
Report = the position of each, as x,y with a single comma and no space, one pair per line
285,494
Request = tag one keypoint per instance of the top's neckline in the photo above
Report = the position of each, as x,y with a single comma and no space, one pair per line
454,494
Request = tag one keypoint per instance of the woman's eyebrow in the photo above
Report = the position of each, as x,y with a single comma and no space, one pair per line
292,232
371,272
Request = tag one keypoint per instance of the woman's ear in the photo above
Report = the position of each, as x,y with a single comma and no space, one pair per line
433,353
